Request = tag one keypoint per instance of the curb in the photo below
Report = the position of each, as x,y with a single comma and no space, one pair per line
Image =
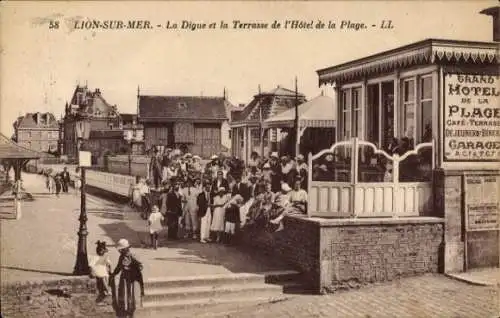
469,281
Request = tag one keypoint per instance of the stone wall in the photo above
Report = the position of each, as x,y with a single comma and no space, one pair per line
72,297
331,253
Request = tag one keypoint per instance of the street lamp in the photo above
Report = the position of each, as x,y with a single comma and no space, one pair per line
82,264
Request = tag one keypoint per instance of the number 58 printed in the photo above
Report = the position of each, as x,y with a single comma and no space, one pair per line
53,24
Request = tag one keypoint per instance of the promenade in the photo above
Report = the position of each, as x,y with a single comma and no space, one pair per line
42,244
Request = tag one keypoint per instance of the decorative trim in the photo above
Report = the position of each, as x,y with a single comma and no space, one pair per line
420,53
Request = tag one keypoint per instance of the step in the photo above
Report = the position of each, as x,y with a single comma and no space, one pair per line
180,304
197,292
223,279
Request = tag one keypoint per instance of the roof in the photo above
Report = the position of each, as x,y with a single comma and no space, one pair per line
493,11
265,105
11,150
127,117
37,121
106,134
429,51
175,108
318,112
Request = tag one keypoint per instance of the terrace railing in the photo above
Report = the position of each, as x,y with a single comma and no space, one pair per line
354,178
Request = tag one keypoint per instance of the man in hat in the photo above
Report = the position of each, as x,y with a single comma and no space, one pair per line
276,174
190,194
155,168
174,209
204,202
219,182
302,170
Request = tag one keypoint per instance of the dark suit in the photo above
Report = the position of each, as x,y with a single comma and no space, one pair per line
215,186
203,203
241,189
174,211
65,180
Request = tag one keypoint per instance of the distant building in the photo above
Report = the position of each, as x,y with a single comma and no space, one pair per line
191,123
133,133
246,122
106,135
37,131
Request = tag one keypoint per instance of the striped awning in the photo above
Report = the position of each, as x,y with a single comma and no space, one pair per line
319,112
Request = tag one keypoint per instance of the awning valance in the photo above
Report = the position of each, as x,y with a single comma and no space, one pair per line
425,52
319,112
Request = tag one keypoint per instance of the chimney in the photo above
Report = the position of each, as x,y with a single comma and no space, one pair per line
494,12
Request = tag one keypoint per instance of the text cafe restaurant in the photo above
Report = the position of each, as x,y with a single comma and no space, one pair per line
441,93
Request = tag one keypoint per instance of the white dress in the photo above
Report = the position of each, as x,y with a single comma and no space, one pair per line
219,214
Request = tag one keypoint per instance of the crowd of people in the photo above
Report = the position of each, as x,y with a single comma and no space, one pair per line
211,201
59,182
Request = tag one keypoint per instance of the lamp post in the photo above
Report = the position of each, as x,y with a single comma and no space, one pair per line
82,263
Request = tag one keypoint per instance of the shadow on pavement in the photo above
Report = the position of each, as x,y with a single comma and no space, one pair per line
119,230
36,270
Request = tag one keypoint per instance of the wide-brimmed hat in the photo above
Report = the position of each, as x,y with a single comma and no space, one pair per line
221,189
300,157
274,154
214,157
188,155
196,157
122,244
285,187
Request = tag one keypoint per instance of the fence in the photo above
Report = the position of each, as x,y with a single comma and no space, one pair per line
139,165
114,183
356,179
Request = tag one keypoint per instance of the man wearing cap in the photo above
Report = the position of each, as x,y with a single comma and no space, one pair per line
174,210
276,174
302,169
204,202
190,193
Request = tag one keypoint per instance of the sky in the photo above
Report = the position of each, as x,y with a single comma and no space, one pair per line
40,66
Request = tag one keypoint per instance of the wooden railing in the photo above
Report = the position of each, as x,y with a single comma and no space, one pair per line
352,198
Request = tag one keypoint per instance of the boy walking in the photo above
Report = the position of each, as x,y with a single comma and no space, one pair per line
155,225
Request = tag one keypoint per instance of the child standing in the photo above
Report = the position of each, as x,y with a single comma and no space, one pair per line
155,225
232,217
100,266
219,211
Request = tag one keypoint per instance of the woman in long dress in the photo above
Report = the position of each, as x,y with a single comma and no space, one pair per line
130,282
219,212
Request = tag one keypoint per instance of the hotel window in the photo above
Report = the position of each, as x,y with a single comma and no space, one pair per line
346,115
416,114
408,120
357,126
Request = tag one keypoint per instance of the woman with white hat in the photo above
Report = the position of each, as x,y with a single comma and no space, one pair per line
219,202
130,270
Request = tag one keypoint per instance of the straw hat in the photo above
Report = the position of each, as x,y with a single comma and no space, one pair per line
275,155
122,244
285,187
267,166
221,189
188,155
214,157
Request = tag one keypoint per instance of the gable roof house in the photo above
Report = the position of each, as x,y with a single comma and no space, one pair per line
190,123
37,131
247,122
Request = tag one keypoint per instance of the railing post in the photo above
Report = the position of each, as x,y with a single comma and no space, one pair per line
395,182
354,174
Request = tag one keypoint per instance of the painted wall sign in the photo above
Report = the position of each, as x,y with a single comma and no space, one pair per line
482,203
471,118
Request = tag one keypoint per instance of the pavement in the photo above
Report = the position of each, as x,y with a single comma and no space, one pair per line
481,277
42,244
417,297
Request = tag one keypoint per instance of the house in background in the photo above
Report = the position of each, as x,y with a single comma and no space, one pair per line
246,122
37,131
190,123
104,121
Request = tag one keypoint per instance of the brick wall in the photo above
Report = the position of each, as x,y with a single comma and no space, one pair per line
53,298
331,253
